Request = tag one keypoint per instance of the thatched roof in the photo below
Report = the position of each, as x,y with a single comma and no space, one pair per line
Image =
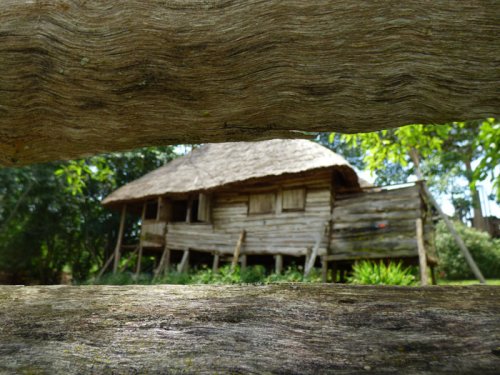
217,164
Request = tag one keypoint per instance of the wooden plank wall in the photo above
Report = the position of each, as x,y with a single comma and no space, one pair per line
287,233
152,233
377,223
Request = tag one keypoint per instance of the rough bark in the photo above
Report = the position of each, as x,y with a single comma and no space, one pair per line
281,329
82,77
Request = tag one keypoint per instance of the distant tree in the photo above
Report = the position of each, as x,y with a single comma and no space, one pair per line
51,217
467,150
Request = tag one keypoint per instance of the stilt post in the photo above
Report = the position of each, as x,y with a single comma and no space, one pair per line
237,249
422,259
119,239
278,269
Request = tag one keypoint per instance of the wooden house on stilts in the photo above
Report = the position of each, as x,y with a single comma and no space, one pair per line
247,201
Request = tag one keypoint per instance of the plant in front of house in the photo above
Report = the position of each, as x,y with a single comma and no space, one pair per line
373,273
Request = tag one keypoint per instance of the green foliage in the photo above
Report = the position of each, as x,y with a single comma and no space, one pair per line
488,140
51,216
393,145
295,274
450,155
386,152
372,273
253,274
484,250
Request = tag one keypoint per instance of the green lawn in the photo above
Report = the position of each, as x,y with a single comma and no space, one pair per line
468,282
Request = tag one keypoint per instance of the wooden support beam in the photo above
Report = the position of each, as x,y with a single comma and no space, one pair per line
139,254
314,254
119,239
215,264
468,257
184,264
217,74
123,267
243,262
308,256
237,250
221,329
158,208
422,258
164,264
324,269
189,210
106,265
278,264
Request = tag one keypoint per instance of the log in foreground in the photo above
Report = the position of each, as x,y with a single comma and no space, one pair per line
83,77
281,328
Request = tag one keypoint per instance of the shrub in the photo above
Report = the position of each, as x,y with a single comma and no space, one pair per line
372,273
173,277
294,274
484,250
205,275
125,278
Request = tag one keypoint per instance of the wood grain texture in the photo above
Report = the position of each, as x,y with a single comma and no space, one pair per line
82,77
273,329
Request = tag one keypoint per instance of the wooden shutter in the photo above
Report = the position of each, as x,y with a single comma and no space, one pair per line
204,207
263,203
294,199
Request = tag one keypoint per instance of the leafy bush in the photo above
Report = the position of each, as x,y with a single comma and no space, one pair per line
484,250
254,274
125,278
293,275
372,273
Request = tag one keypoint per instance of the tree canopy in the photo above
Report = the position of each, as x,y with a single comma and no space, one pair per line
467,150
51,218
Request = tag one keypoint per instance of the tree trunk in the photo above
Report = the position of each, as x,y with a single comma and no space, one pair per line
280,329
82,77
478,219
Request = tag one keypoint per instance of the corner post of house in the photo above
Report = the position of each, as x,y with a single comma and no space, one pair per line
139,255
119,239
421,252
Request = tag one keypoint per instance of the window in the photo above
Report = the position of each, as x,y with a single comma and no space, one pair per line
151,210
193,210
179,210
294,199
263,203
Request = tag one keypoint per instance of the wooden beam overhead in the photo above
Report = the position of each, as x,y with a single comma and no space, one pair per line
83,77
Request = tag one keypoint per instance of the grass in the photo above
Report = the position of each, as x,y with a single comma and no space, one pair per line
392,275
253,274
468,282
